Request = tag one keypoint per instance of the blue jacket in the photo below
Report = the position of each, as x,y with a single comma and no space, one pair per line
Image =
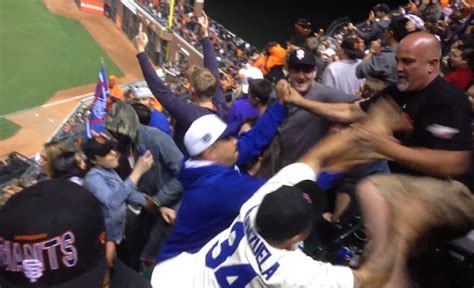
159,120
185,113
213,194
211,201
113,193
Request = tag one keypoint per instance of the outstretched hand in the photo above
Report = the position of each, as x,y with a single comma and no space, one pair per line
204,22
286,94
141,39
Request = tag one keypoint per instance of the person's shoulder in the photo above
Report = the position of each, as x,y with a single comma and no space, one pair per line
157,113
241,99
331,65
150,132
322,91
443,91
295,172
93,172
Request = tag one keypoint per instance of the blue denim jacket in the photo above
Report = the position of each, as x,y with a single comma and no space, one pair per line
113,193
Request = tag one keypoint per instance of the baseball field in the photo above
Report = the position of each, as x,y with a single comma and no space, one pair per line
40,54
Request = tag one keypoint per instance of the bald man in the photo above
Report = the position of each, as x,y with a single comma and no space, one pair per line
427,156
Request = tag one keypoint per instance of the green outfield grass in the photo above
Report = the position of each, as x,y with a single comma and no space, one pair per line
41,53
7,128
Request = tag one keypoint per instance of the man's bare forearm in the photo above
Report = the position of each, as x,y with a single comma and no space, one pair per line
337,112
433,162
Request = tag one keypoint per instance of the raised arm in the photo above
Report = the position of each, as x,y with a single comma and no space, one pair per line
177,108
436,162
337,112
252,144
113,198
210,61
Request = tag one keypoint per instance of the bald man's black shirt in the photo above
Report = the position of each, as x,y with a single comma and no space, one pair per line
441,118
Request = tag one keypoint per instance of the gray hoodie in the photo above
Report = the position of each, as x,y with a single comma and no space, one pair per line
382,66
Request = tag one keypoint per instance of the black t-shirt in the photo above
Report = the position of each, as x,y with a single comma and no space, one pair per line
440,114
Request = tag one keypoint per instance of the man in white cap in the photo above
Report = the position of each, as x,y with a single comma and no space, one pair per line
241,108
214,188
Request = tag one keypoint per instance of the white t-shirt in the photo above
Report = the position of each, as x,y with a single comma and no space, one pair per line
239,257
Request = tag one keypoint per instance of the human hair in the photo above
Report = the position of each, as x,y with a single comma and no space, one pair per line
371,87
66,166
467,53
312,43
261,90
398,26
52,150
203,82
143,113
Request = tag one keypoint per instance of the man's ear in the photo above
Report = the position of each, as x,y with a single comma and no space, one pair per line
433,64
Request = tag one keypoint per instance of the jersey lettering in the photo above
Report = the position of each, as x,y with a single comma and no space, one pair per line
261,252
262,255
270,271
233,275
227,248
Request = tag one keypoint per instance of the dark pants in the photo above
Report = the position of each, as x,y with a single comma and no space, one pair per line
158,235
137,231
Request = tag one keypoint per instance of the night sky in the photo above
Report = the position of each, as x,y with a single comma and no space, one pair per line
259,21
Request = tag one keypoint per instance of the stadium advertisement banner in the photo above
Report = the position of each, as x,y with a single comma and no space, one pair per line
92,6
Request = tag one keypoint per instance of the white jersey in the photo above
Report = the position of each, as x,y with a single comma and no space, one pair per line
240,257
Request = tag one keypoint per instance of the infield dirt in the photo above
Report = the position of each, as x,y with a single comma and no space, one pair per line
38,124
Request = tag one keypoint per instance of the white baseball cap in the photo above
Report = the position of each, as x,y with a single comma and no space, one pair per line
249,73
142,92
205,131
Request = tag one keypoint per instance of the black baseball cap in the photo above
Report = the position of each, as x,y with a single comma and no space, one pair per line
98,146
382,7
351,47
301,57
290,210
303,23
52,234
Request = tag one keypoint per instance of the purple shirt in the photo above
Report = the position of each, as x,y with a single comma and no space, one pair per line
241,110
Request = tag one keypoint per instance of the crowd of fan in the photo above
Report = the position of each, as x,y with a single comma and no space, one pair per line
232,51
169,192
